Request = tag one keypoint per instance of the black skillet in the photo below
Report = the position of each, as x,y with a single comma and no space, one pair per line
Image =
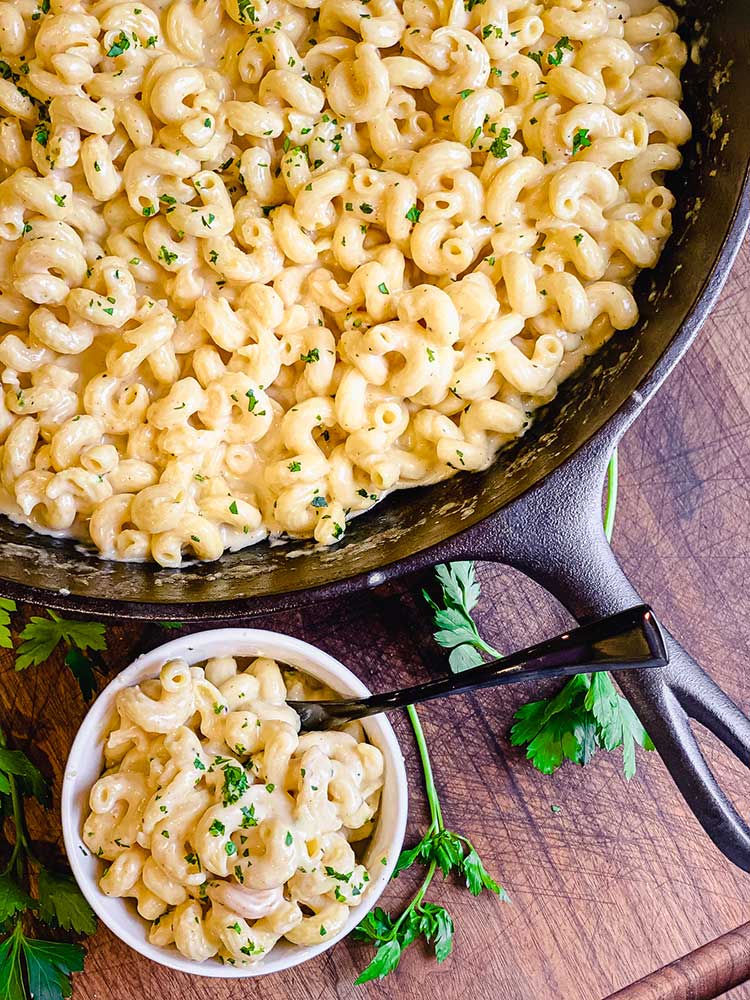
538,508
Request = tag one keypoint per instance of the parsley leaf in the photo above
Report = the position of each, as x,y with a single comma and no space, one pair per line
437,927
557,729
41,636
83,670
386,960
478,878
6,606
47,964
61,903
456,629
13,898
29,777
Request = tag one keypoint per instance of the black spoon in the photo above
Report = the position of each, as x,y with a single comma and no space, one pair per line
628,639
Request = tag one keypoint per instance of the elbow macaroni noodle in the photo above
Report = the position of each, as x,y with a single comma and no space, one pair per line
264,261
229,827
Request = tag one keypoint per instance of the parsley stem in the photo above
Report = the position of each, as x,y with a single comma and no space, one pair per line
611,505
490,650
21,846
417,899
436,816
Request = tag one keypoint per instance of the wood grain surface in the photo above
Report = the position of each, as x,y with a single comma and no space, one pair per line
621,880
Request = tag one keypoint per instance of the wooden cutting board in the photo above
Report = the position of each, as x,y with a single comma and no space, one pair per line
621,879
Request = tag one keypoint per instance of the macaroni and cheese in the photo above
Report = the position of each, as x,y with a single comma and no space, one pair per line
265,261
228,827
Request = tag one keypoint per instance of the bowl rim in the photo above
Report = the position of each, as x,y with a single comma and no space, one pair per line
195,648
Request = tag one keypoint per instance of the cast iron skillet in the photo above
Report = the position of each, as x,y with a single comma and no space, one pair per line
538,508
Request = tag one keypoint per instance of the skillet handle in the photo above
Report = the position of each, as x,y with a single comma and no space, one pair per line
572,559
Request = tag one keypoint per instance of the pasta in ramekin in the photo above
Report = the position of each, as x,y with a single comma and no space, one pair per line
228,827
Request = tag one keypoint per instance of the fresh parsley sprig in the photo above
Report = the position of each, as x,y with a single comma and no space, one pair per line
438,849
30,967
41,637
587,714
456,629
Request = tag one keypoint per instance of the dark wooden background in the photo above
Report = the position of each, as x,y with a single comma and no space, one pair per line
620,880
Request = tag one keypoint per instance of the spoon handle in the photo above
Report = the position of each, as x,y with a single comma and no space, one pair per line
628,639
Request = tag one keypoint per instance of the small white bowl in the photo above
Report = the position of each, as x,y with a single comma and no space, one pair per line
86,761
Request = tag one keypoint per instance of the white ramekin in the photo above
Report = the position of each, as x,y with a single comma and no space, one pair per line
86,761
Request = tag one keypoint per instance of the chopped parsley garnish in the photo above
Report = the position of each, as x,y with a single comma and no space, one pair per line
339,876
120,45
248,817
217,828
167,255
311,356
235,784
246,11
500,146
251,949
554,59
580,140
413,214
